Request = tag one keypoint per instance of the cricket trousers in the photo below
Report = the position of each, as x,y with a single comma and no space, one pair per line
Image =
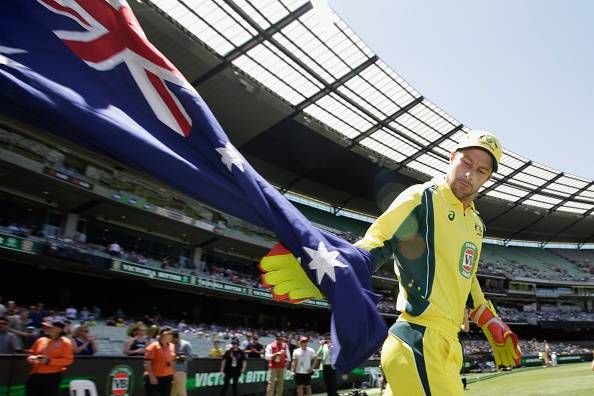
419,360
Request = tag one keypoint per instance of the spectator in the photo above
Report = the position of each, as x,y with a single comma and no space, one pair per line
277,355
80,237
183,355
158,363
152,332
325,356
248,337
216,352
2,308
254,350
31,335
11,308
136,345
182,326
85,314
232,365
302,364
84,341
17,323
547,354
292,344
9,343
114,249
71,313
37,314
96,312
67,332
49,357
14,228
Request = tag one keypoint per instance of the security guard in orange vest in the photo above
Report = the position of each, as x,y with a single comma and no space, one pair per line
49,357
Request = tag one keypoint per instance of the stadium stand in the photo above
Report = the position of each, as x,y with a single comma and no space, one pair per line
62,206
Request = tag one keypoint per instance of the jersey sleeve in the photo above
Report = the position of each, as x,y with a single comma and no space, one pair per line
396,224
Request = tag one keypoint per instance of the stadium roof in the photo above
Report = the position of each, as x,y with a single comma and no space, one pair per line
327,78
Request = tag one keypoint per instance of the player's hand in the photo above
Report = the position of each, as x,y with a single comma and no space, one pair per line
283,273
504,342
33,359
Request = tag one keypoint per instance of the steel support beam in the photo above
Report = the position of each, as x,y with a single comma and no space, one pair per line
262,36
503,180
567,227
511,237
429,147
386,121
524,198
286,187
305,67
297,109
572,196
86,206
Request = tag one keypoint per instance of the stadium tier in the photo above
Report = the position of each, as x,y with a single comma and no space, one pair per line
83,208
332,127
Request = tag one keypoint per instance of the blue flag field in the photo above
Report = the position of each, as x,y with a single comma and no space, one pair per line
84,71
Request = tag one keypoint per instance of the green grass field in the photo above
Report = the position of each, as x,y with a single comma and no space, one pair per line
575,379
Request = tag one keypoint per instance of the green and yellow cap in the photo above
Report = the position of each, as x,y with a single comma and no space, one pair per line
483,140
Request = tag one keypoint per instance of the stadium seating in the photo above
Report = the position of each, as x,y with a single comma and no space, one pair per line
525,262
110,340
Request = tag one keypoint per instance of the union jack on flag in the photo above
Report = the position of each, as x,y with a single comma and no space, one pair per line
111,35
85,71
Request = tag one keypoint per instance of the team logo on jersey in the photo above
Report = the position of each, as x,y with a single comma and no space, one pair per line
451,215
468,259
479,229
119,382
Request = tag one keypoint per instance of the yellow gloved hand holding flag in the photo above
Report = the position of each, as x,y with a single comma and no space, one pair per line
285,276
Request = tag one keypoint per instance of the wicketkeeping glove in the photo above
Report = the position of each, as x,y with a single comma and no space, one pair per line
504,342
285,276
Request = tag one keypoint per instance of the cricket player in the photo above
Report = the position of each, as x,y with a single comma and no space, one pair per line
435,234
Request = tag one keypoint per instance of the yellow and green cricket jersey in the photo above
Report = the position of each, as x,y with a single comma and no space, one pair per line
436,246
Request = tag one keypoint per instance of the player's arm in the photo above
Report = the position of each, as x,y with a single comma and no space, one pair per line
284,274
398,223
504,342
149,355
293,363
223,363
268,352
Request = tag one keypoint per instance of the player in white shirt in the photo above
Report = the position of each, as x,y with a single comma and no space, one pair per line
304,360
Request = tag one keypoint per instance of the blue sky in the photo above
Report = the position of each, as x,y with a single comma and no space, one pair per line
523,69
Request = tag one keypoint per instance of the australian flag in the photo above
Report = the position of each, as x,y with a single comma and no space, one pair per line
85,71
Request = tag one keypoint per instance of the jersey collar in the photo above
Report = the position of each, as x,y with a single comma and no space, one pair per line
446,191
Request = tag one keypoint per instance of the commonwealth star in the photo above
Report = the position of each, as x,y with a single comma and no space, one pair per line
323,261
230,156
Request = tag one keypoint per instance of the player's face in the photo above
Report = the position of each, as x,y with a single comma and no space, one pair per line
469,170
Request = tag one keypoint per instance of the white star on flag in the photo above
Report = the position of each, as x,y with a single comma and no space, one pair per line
323,262
230,156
